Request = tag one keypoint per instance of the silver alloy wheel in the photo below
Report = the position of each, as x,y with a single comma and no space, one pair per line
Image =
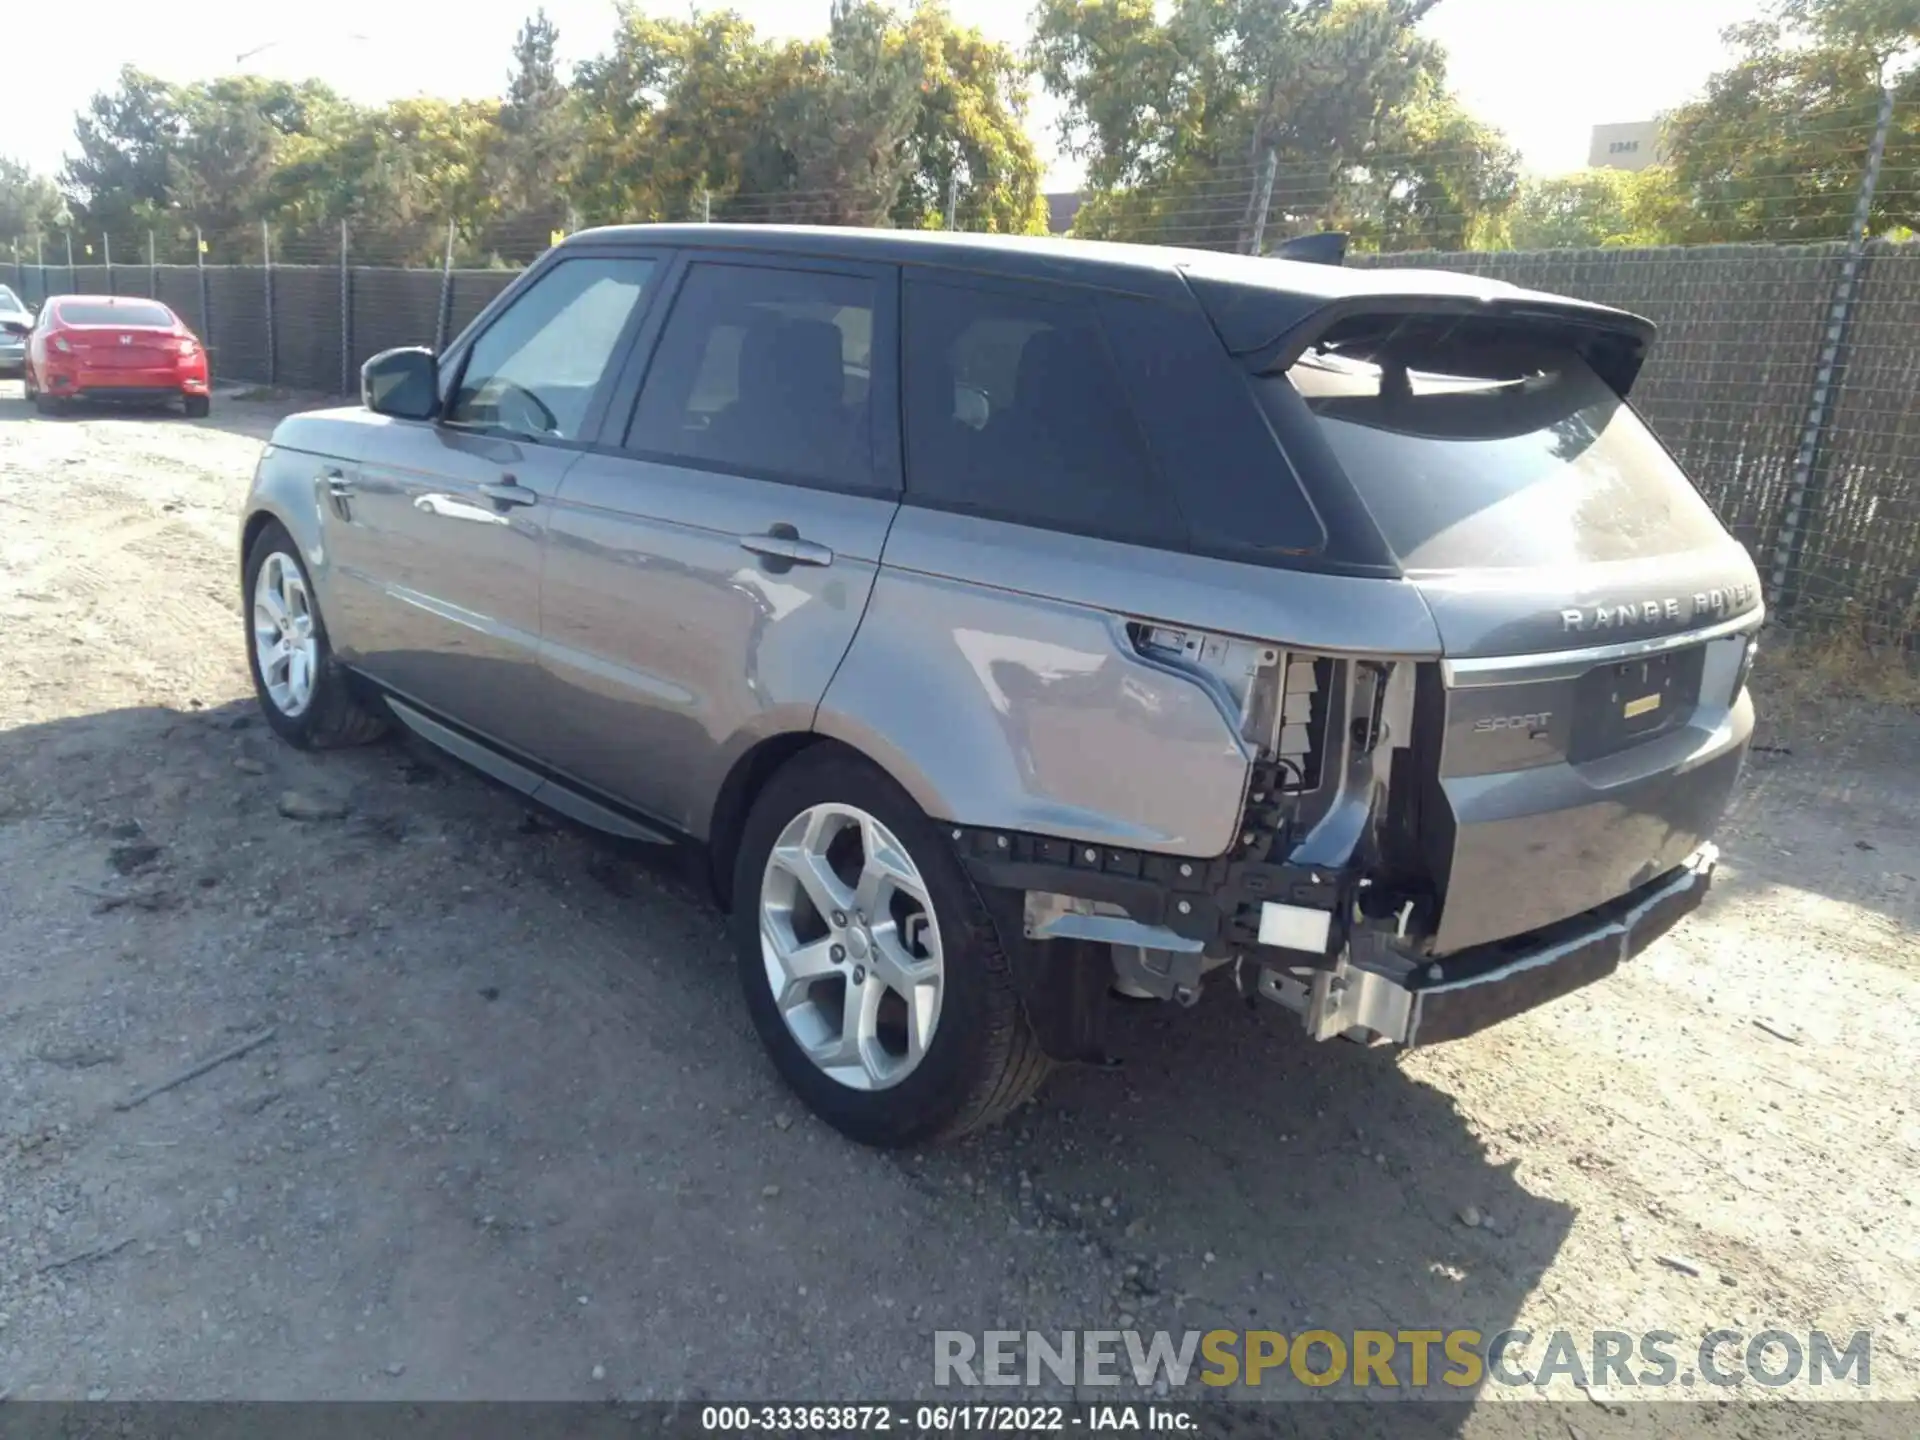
852,946
284,641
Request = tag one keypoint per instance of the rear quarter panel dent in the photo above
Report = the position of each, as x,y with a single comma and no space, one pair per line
1009,711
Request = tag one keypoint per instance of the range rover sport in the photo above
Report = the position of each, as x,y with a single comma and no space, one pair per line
1010,624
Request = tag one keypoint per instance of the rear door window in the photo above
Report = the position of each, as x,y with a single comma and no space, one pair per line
1518,458
1014,412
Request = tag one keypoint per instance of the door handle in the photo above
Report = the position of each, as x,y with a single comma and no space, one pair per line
782,548
337,482
508,492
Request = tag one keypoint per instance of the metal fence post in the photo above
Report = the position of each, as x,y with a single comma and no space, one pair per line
106,258
346,316
953,197
206,312
445,317
266,252
1809,475
73,276
1259,236
706,207
153,271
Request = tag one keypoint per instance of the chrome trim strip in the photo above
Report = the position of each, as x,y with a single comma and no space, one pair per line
1557,664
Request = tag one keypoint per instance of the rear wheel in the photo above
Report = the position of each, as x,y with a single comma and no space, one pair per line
198,407
871,970
302,689
42,402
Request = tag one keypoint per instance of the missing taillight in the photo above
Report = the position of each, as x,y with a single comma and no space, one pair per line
1748,655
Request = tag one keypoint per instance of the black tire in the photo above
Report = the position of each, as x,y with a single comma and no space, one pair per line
334,717
983,1061
198,407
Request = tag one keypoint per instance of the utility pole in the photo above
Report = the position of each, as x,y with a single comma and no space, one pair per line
266,253
206,314
1259,236
445,317
346,316
1804,492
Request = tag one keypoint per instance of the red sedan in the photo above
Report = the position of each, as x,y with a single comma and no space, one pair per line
114,347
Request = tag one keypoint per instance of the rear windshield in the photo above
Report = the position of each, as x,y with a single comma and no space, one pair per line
1528,459
145,316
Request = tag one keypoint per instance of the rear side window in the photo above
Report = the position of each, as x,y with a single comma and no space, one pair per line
1512,457
145,317
1228,474
764,372
1014,412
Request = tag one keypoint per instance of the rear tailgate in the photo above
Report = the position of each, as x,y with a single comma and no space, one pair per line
113,347
1584,733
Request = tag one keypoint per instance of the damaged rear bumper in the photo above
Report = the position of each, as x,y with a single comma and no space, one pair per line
1381,996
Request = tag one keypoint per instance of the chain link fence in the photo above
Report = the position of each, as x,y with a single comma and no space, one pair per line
1786,377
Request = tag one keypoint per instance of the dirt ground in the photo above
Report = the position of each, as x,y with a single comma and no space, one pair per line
512,1136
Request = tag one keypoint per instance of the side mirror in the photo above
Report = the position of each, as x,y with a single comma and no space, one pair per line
403,383
16,327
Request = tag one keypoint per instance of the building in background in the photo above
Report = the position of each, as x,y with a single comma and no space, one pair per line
1062,206
1630,146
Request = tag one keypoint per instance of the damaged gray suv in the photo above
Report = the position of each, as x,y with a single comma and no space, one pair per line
1011,625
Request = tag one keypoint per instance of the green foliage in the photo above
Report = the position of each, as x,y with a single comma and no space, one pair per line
1775,147
29,203
1596,208
868,125
1176,116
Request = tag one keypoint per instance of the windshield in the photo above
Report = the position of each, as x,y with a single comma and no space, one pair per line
142,315
1526,460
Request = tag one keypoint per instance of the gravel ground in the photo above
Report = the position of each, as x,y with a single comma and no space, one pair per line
512,1136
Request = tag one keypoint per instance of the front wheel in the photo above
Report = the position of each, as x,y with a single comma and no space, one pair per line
872,972
302,689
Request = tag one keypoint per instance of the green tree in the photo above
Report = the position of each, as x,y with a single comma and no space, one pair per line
397,174
1590,208
231,134
1775,147
534,156
865,126
840,145
971,128
1176,117
29,204
122,174
669,113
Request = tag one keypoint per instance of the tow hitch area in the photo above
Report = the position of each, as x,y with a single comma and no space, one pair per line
1378,995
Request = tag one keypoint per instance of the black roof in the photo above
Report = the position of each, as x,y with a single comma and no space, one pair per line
1254,301
1052,257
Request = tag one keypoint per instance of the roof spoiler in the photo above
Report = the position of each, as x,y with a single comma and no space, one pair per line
1329,247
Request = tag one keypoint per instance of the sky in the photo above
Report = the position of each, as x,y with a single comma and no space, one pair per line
1544,71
